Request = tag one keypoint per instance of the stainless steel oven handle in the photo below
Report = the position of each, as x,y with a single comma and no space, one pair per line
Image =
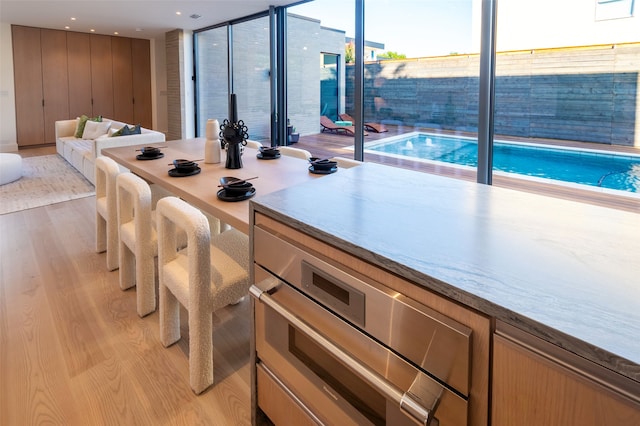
404,400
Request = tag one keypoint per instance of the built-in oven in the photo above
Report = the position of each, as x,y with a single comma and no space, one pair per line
345,349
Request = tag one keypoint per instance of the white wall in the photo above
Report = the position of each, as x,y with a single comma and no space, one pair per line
8,141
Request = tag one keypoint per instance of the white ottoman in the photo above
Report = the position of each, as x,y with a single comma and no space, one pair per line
10,167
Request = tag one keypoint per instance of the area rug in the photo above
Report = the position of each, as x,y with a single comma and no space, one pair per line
46,179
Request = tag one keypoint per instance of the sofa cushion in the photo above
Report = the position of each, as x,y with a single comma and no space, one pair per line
127,130
81,123
94,129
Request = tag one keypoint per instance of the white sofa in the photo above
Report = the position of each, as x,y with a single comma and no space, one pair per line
82,153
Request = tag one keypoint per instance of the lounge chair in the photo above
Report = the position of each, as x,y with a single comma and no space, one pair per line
374,127
329,126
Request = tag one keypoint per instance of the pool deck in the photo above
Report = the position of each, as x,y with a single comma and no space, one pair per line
326,145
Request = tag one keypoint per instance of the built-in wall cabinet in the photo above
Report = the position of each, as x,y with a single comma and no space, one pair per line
60,74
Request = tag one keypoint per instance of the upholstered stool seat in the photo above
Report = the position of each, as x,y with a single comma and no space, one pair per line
10,167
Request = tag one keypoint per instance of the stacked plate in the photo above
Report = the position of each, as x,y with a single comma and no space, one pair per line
268,153
322,166
184,168
149,153
235,189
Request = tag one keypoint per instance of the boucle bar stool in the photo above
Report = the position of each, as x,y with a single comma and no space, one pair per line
295,152
138,245
211,272
106,210
10,167
346,163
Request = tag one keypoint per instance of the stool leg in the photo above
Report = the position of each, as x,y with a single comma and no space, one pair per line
200,349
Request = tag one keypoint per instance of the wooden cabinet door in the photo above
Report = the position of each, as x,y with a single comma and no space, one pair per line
141,59
27,72
55,83
122,79
79,67
530,389
101,75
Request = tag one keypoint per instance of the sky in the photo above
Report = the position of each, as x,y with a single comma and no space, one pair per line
415,28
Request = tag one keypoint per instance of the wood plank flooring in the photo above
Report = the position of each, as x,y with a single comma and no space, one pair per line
73,350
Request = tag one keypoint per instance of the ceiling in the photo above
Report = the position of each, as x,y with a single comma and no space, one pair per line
129,18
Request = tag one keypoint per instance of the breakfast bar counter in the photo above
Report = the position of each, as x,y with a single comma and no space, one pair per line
565,272
200,189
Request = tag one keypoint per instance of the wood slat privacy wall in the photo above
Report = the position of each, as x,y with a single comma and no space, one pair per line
579,93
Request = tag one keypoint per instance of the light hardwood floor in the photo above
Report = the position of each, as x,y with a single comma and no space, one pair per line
73,350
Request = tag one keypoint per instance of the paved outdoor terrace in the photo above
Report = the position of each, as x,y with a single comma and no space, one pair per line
326,145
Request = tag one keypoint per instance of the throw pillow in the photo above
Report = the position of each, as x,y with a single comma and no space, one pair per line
82,121
120,132
128,130
95,129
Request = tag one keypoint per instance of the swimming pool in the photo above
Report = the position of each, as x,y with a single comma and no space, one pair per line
587,167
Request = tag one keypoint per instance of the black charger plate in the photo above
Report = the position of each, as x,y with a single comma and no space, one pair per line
222,194
178,173
260,156
146,157
323,171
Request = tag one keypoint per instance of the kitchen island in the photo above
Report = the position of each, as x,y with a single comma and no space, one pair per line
563,272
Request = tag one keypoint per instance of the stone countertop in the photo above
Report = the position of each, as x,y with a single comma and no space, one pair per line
564,271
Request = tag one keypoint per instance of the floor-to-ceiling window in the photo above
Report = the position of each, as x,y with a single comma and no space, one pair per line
251,75
317,56
567,76
242,48
420,79
212,76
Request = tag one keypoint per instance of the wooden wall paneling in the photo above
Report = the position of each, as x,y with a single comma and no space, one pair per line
101,75
122,79
27,71
141,60
79,64
55,82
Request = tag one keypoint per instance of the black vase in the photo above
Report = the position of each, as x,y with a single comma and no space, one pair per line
234,158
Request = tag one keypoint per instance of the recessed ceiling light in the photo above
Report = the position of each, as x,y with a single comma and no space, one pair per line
92,30
73,19
178,13
66,27
116,33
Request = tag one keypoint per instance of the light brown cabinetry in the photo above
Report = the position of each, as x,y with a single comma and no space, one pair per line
79,68
27,61
101,76
60,75
535,383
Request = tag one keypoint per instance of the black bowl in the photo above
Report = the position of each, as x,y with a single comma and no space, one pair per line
150,151
269,151
322,164
237,189
185,165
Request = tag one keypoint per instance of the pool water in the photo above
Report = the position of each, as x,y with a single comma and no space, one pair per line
595,168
